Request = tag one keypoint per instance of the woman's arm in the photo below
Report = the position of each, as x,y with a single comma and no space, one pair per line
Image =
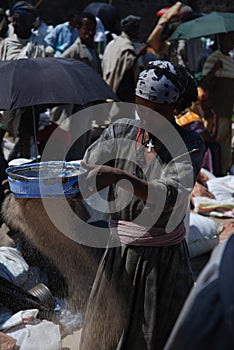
98,177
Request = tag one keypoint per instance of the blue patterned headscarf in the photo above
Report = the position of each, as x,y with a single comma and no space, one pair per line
26,10
159,83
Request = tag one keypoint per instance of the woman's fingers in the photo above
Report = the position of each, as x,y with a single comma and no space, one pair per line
6,186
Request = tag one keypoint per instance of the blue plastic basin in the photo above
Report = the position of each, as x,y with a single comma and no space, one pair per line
54,179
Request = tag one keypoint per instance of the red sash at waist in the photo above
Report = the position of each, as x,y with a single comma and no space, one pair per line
131,233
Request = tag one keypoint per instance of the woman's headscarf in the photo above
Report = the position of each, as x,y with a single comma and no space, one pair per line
159,83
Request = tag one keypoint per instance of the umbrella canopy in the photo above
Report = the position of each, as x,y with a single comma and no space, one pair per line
106,12
37,81
212,23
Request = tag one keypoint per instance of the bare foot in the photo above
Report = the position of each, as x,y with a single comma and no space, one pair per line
227,231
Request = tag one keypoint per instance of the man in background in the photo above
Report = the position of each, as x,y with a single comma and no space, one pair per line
218,81
83,48
61,37
120,67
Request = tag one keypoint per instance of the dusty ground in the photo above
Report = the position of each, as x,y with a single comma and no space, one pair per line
71,342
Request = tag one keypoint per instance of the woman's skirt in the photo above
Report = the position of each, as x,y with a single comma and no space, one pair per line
136,297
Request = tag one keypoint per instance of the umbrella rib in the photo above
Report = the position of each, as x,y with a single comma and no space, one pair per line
13,83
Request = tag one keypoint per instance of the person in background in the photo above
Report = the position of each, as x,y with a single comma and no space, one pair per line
27,131
193,118
100,39
40,30
83,48
218,81
61,37
3,24
206,319
22,44
143,281
184,52
119,63
167,23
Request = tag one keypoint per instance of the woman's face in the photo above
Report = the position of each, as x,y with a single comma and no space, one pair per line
148,118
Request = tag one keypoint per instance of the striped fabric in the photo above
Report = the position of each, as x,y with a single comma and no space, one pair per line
228,65
213,207
188,118
131,233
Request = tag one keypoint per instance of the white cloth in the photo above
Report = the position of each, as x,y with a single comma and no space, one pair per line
13,48
17,319
223,204
222,187
202,236
31,333
212,207
13,267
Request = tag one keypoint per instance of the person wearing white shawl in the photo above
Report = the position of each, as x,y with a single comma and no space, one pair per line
22,44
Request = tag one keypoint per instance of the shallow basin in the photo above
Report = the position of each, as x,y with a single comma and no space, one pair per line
54,179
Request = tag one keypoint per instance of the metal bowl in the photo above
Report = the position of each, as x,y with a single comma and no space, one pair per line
54,179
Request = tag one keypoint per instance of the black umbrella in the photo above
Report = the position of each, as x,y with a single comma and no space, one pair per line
37,81
106,12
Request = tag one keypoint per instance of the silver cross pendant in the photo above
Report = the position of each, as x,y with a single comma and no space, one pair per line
150,145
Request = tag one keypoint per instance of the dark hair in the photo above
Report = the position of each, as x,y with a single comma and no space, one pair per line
85,15
71,15
188,93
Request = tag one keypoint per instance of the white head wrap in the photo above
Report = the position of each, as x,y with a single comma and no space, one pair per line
159,84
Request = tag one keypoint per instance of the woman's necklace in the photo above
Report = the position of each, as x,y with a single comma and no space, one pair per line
149,143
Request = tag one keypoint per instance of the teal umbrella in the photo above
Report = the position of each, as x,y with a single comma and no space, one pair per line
212,23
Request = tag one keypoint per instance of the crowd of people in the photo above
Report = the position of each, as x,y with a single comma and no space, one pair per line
120,60
150,161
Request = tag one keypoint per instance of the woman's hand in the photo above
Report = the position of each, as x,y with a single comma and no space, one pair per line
97,177
6,186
